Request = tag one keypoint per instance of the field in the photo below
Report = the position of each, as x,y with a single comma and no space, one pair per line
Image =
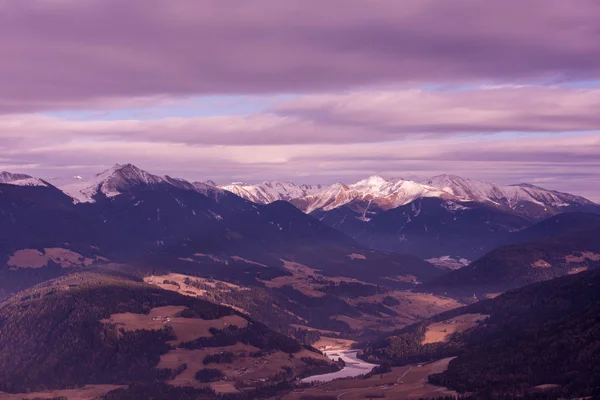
408,382
441,331
32,258
328,343
88,392
410,308
186,329
303,279
243,368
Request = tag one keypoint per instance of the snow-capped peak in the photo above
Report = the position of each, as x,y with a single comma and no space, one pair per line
511,196
270,191
467,189
383,193
118,179
20,179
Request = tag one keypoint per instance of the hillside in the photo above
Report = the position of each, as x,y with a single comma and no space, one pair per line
91,328
565,244
432,227
543,334
312,307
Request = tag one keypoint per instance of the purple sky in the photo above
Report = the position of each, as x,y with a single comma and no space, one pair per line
310,91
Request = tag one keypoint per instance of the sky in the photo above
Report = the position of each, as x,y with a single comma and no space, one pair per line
310,91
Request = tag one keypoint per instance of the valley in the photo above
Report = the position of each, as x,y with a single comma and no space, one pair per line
408,382
297,306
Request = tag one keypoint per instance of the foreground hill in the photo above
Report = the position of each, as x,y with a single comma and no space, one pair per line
565,244
128,215
541,336
92,328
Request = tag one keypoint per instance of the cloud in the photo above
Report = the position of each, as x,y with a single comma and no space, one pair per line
102,53
487,110
343,118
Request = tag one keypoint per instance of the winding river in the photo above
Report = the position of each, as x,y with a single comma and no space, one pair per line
354,367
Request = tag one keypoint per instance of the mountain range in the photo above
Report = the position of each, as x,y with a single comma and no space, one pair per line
439,217
375,194
128,215
124,212
443,216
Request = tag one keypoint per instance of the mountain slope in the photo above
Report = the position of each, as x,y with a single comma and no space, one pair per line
543,334
433,227
371,193
20,179
119,179
523,199
565,244
270,191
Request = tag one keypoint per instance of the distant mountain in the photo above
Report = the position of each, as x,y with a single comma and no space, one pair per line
20,179
270,191
128,215
525,200
373,193
542,337
376,194
120,179
564,244
443,216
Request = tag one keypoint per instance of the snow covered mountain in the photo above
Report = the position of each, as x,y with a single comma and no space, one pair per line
20,179
118,179
270,191
376,194
523,199
373,192
444,216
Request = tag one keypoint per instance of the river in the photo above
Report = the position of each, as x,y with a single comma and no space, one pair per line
354,367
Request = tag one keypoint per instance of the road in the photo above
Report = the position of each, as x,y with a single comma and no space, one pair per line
404,374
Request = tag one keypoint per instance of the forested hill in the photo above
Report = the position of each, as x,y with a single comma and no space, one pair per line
91,328
564,244
547,333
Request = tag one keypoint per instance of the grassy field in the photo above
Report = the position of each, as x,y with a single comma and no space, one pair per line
441,331
186,329
329,343
88,392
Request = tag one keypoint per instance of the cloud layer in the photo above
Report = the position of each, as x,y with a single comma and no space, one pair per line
353,117
65,54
